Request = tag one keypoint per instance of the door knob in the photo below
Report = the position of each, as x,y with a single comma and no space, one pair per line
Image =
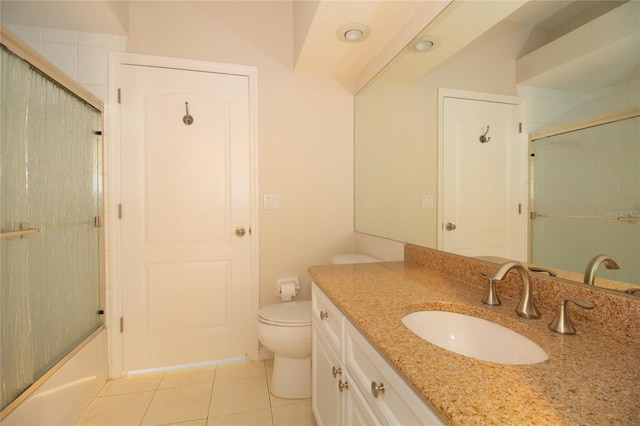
450,226
240,231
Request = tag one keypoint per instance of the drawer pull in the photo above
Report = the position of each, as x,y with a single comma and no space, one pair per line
377,389
336,371
342,385
324,315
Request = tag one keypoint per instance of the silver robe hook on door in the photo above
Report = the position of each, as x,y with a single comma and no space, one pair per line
187,119
484,138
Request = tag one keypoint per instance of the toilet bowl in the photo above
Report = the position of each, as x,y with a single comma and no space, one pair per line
285,330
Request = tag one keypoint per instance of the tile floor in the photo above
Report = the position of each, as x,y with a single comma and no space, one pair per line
225,394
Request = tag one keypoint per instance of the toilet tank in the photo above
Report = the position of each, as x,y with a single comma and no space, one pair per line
343,259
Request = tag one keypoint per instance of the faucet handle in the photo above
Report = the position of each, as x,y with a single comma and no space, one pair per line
561,323
542,270
491,298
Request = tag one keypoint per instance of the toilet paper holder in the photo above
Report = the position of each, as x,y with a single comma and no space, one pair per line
286,282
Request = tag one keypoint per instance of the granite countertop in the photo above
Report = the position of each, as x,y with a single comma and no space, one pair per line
592,377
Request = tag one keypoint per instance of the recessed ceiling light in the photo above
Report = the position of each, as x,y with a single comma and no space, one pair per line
352,33
424,44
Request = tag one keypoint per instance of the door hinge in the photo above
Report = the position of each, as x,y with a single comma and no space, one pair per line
519,127
98,221
532,215
119,211
119,96
121,324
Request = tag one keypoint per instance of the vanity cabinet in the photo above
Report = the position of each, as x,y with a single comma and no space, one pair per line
334,400
352,383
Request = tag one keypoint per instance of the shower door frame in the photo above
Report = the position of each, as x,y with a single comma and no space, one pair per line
112,155
28,54
611,117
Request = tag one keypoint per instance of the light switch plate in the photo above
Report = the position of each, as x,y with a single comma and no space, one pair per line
271,201
427,201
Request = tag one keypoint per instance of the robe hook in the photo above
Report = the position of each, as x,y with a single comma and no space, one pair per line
187,119
484,138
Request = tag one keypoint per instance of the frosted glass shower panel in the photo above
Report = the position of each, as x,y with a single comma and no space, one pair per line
50,181
586,198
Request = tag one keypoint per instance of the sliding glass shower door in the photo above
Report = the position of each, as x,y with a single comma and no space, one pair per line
50,208
586,198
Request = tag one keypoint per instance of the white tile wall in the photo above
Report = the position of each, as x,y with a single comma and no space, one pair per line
83,56
547,108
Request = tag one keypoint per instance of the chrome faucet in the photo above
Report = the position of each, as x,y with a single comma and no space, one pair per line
592,267
526,308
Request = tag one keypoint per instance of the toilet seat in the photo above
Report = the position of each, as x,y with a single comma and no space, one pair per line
287,314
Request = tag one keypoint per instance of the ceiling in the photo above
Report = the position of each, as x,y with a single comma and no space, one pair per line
316,46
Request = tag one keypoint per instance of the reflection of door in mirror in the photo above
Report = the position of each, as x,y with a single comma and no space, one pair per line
483,202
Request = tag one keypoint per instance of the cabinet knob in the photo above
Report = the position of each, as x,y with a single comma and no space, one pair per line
377,389
336,371
323,315
342,385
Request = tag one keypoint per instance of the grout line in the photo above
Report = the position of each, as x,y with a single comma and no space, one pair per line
213,382
152,398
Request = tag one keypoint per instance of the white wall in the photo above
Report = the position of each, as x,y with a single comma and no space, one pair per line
81,55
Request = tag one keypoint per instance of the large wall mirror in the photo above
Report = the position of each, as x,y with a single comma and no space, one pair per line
567,63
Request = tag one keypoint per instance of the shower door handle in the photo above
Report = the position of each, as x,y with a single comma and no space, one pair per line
23,232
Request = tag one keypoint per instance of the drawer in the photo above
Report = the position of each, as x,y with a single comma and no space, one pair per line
398,404
327,318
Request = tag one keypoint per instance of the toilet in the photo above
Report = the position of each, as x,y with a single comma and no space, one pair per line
285,329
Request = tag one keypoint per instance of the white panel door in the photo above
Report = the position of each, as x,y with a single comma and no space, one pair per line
184,192
483,212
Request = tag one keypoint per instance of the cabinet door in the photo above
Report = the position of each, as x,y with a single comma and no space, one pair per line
396,403
326,399
356,410
329,318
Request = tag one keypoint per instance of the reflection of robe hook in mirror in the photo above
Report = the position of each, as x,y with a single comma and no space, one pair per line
484,138
187,119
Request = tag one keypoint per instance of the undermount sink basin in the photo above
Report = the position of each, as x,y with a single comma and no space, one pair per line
474,337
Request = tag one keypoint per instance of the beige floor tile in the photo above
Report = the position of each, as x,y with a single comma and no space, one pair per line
118,410
238,395
298,414
236,370
181,404
246,418
132,383
188,377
